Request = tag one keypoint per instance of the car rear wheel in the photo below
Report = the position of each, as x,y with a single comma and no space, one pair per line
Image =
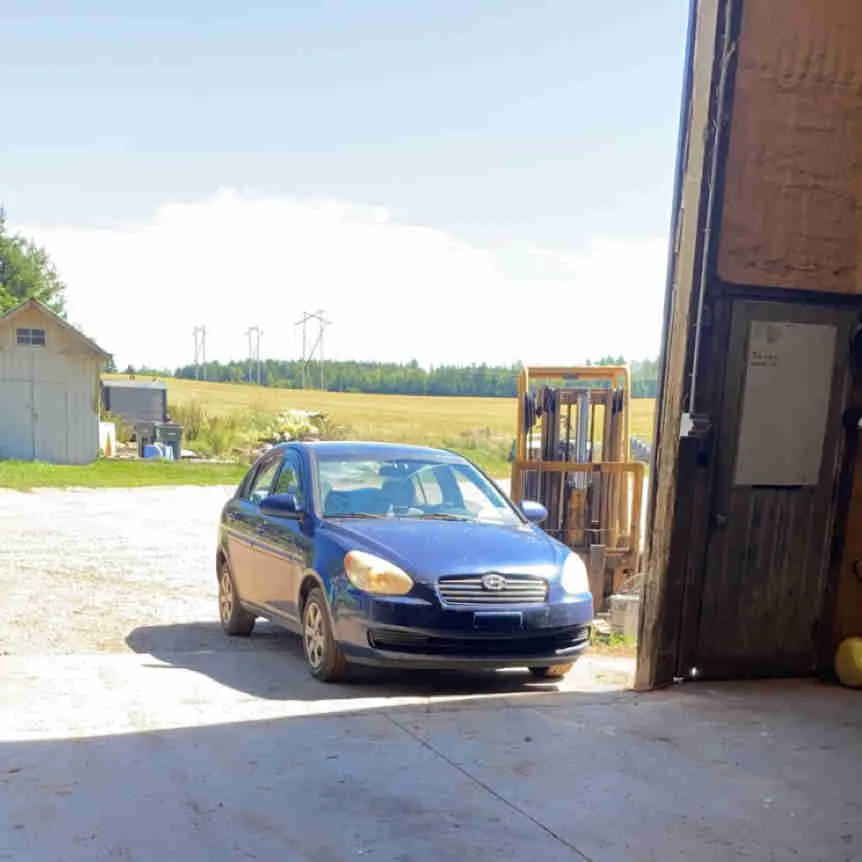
325,658
235,619
555,671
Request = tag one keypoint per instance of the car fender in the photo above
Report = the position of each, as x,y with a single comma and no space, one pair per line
312,575
221,551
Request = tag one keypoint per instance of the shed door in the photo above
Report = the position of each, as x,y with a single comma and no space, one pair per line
50,422
16,420
777,439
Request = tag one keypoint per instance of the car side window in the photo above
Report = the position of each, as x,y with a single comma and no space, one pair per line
429,488
261,486
289,481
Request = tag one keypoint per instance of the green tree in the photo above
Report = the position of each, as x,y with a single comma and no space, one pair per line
26,272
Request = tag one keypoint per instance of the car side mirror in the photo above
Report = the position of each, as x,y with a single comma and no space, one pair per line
281,505
534,512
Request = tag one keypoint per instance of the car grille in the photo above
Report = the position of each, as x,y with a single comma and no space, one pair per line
540,644
469,590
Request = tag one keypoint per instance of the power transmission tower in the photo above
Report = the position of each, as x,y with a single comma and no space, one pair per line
316,348
200,333
254,333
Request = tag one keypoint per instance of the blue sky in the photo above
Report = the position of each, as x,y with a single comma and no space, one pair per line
443,151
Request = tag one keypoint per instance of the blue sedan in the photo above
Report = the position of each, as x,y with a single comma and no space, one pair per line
398,556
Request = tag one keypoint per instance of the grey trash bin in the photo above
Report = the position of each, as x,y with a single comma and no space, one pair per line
171,434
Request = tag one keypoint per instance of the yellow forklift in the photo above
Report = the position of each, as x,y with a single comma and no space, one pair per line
572,453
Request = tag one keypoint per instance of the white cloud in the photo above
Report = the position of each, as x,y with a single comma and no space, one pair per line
392,291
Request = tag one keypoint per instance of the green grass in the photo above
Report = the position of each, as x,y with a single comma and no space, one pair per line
107,473
613,644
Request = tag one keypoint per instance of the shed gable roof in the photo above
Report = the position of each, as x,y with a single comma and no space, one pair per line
35,304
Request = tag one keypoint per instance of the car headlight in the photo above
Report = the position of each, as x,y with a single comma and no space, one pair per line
574,576
374,575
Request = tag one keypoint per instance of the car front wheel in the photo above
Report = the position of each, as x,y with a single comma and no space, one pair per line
235,619
324,656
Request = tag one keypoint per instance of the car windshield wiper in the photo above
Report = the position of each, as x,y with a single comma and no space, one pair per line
441,516
355,515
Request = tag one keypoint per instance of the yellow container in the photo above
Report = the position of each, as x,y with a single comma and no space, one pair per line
848,662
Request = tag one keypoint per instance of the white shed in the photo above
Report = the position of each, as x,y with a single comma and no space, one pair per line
49,388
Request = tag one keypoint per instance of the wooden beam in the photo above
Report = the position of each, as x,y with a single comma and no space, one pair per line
586,372
637,468
656,645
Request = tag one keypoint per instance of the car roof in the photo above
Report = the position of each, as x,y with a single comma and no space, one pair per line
351,449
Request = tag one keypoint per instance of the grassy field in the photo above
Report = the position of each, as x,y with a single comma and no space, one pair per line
107,473
481,428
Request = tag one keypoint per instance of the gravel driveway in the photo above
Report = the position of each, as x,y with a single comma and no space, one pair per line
101,586
114,570
80,569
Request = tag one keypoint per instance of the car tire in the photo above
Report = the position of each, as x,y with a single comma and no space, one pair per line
555,671
324,656
235,619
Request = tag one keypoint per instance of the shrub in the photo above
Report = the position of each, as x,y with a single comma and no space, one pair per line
191,416
242,432
330,430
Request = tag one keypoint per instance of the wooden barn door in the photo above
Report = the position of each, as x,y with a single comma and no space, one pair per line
756,611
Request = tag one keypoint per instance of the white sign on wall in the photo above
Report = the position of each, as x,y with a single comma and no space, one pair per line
788,383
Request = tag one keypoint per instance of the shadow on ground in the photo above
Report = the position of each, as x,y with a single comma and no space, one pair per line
270,664
706,772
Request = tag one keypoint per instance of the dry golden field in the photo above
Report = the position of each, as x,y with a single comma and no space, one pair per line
454,422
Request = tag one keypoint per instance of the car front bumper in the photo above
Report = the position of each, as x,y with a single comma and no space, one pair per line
411,634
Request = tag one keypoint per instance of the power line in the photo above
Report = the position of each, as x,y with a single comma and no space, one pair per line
316,348
200,334
254,333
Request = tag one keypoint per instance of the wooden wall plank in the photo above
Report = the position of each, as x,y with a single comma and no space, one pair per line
792,209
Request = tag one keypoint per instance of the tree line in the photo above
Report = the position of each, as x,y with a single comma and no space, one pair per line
388,378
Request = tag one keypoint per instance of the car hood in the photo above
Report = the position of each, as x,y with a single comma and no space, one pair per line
427,549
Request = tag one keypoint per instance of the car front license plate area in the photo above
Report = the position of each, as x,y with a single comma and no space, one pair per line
498,622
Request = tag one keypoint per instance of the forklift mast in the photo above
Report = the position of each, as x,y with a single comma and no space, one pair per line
573,455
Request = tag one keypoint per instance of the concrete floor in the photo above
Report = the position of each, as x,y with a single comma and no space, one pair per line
187,751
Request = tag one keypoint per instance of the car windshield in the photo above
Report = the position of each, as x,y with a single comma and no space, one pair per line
409,488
